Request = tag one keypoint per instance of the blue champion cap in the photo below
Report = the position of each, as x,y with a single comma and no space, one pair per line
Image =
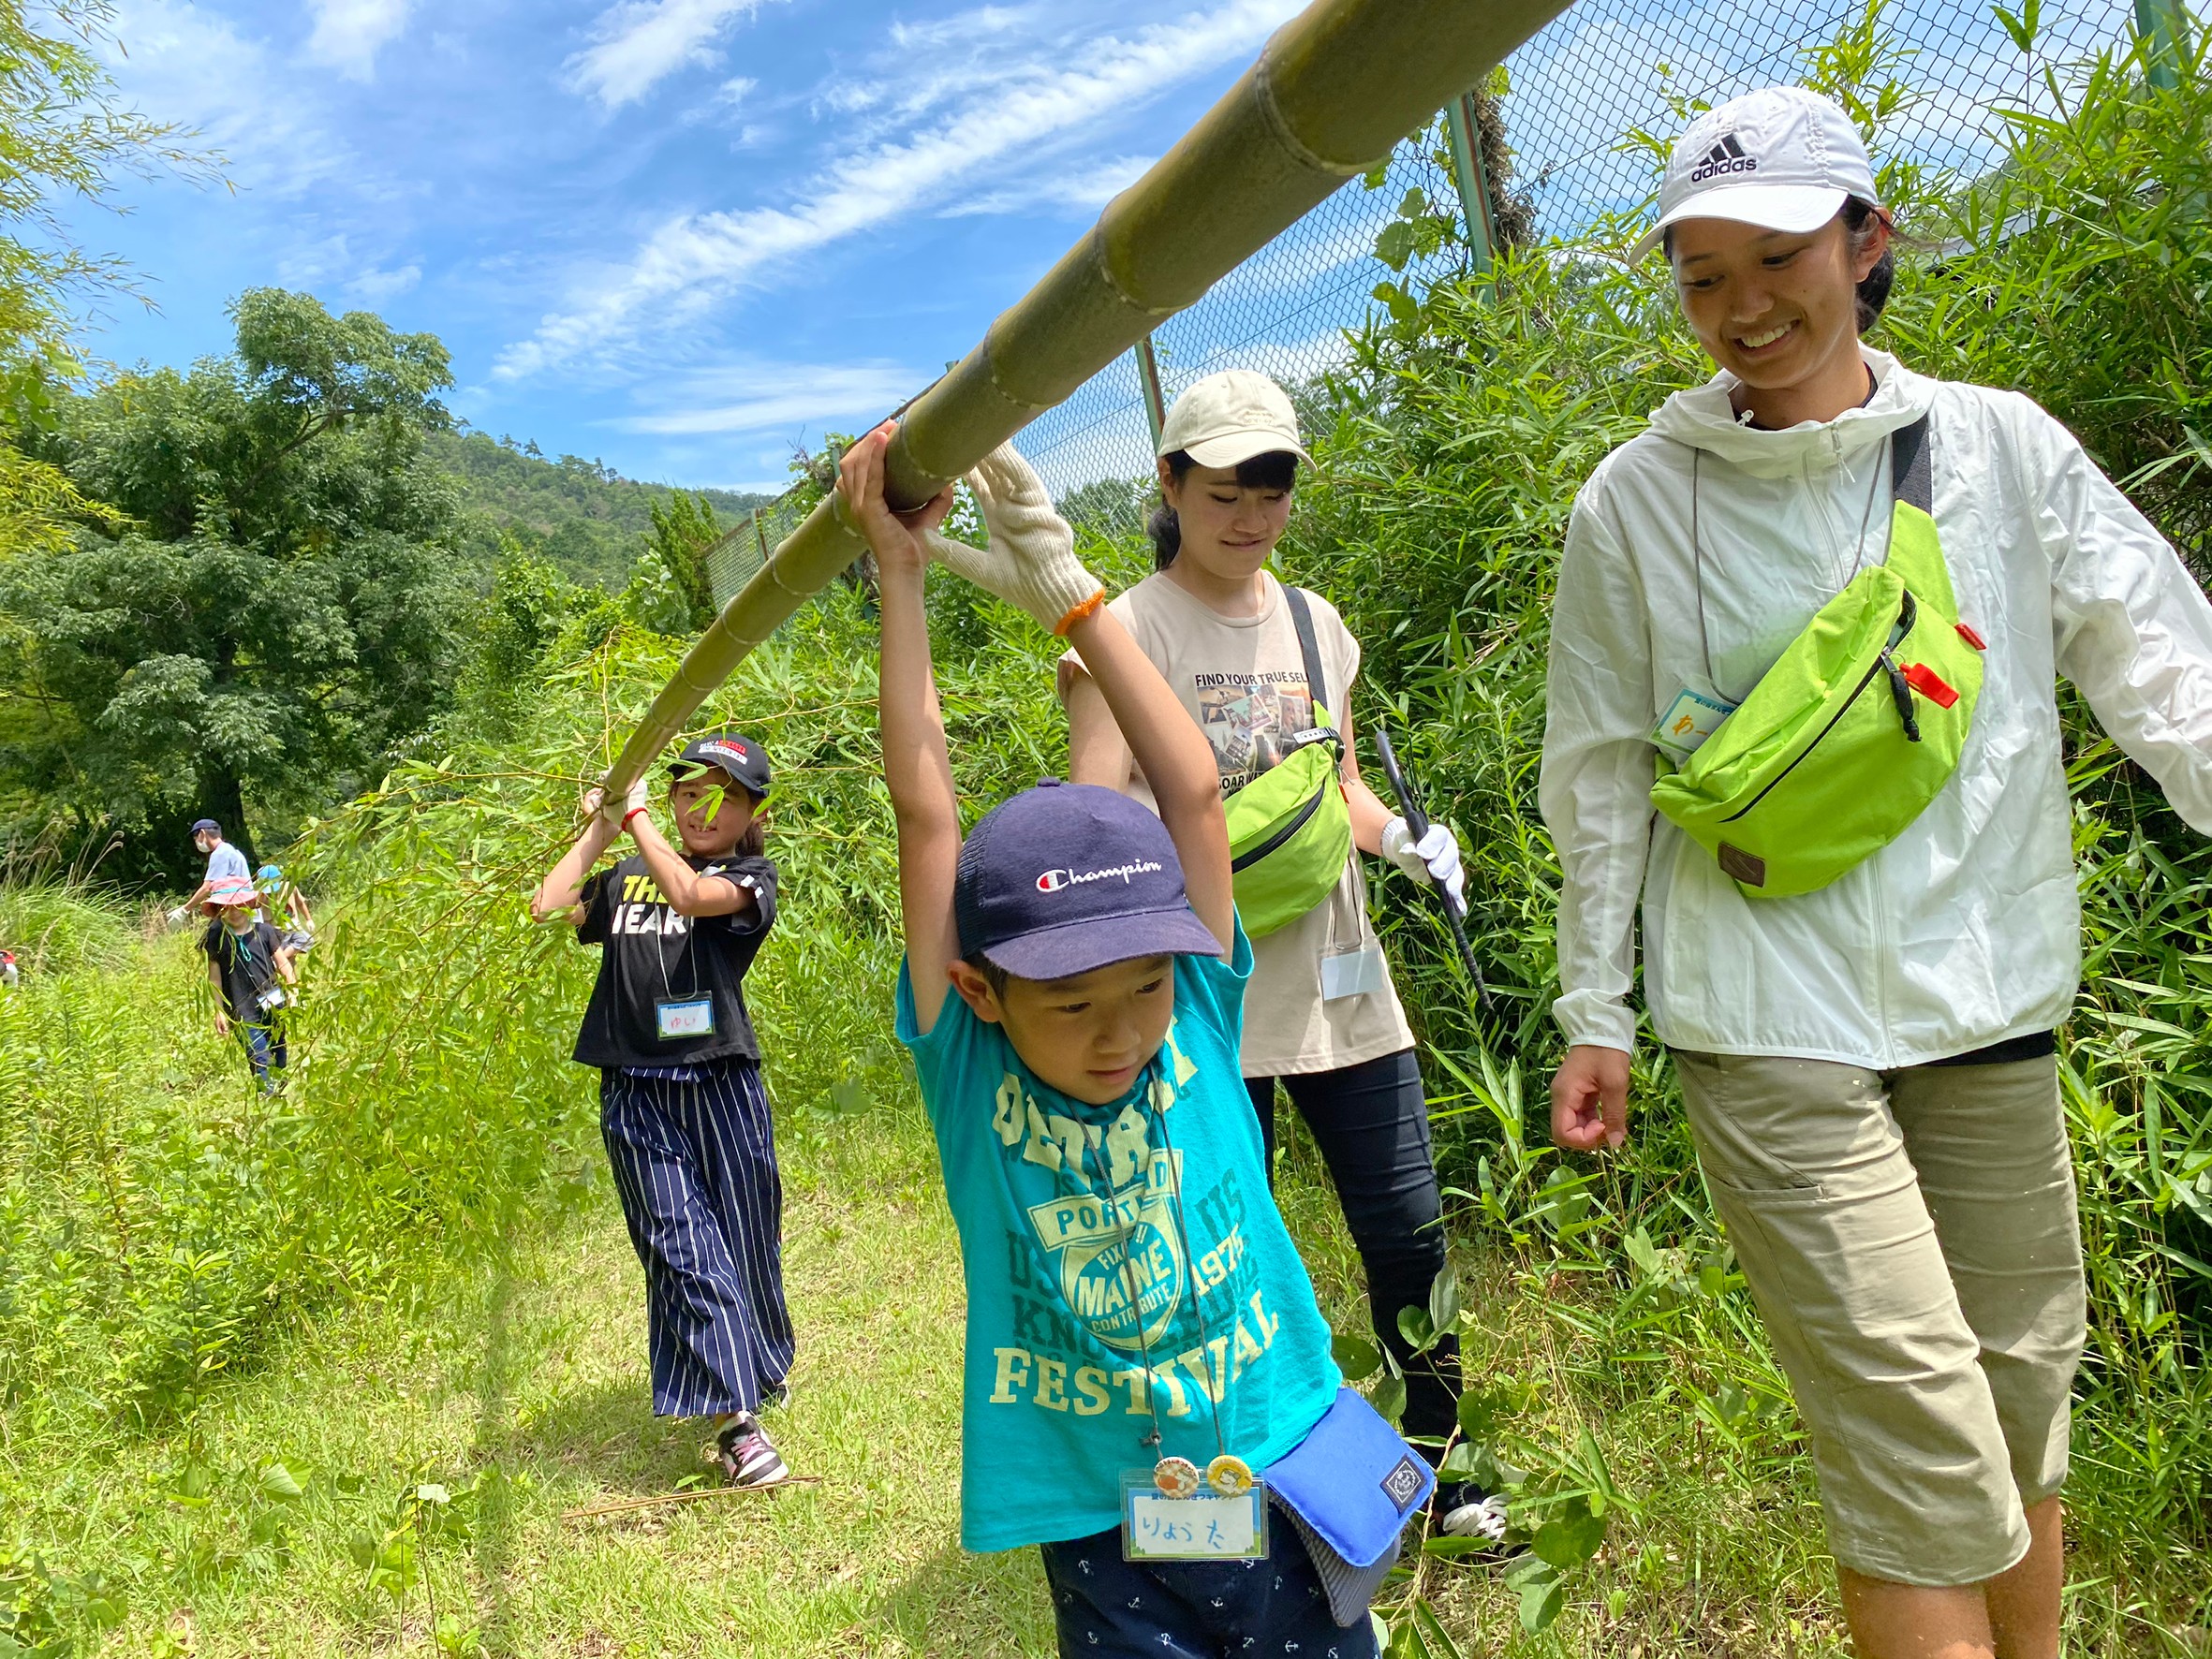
1067,877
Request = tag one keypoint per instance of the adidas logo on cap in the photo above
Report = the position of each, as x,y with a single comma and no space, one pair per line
1727,156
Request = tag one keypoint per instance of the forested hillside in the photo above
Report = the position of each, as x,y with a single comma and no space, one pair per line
583,518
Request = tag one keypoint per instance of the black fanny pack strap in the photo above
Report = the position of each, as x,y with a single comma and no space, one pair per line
1911,474
1302,619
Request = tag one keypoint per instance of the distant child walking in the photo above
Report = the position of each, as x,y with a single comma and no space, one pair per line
1074,995
251,970
681,1105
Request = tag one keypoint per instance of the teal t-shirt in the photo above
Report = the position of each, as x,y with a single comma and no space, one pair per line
1054,1404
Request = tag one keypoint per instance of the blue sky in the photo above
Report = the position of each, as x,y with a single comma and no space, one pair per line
680,235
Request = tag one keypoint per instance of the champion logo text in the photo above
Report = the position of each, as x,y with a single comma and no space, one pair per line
1052,881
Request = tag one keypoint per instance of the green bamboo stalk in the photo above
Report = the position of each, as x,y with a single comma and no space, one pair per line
1333,91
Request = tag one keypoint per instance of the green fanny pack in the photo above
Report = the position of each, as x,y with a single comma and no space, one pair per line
1290,828
1857,727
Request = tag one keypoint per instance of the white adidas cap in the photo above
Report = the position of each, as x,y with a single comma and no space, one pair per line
1229,417
1781,158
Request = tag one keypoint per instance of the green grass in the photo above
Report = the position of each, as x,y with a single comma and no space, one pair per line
520,1385
513,1376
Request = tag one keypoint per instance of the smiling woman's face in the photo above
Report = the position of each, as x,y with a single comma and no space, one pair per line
1776,310
1228,528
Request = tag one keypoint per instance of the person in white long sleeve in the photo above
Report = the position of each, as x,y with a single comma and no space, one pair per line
1869,1067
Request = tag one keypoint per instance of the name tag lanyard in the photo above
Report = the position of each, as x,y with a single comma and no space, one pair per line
677,1019
1176,1478
243,956
1697,551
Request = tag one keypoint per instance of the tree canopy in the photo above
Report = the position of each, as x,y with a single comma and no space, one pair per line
284,605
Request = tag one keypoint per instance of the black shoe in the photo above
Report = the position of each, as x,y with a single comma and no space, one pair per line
747,1455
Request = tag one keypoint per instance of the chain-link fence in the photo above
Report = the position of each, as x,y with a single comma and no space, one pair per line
1602,71
742,549
1609,67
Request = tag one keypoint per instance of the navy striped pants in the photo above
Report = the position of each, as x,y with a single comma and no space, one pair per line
694,1160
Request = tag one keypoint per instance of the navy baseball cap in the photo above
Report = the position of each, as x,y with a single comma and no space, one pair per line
207,827
743,758
1067,877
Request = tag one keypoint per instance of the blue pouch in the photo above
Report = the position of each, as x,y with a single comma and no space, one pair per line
1350,1487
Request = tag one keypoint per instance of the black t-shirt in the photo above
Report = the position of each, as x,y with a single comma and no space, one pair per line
652,954
248,964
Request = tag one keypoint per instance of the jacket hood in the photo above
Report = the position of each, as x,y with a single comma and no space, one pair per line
1704,418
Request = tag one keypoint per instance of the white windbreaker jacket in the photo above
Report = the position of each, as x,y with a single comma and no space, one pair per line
1963,931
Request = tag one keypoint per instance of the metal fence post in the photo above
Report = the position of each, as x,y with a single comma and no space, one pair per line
1474,184
2160,23
1156,406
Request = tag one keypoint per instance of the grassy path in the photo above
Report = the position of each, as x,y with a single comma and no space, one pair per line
517,1387
534,1368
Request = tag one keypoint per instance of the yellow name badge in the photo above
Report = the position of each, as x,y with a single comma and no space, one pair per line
1205,1526
1689,720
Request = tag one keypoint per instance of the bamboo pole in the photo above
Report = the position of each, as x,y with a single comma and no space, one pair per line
1333,91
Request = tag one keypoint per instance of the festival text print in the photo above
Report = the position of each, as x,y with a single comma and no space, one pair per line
1119,1266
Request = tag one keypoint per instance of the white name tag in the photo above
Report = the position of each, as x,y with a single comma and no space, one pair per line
1208,1527
1689,720
693,1018
1353,973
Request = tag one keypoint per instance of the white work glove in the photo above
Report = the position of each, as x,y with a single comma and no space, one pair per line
1434,857
176,917
1031,561
614,811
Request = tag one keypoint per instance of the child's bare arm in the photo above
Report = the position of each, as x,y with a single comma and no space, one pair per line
1096,752
916,765
557,897
688,893
1176,760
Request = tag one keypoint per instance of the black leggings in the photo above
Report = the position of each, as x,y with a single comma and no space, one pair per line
1371,1123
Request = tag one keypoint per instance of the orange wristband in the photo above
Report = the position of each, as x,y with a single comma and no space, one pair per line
1077,612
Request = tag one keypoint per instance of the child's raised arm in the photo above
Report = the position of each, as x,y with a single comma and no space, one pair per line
1032,562
557,897
915,764
1176,758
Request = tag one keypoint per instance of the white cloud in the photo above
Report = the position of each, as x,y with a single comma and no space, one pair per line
315,263
186,63
329,264
753,396
375,287
349,34
637,43
1089,190
1006,121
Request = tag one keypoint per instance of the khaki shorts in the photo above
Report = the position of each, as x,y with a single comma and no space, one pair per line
1910,1238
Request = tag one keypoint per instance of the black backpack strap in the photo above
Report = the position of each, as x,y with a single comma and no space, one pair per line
1911,474
1302,619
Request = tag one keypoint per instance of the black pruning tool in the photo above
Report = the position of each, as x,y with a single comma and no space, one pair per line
1417,825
